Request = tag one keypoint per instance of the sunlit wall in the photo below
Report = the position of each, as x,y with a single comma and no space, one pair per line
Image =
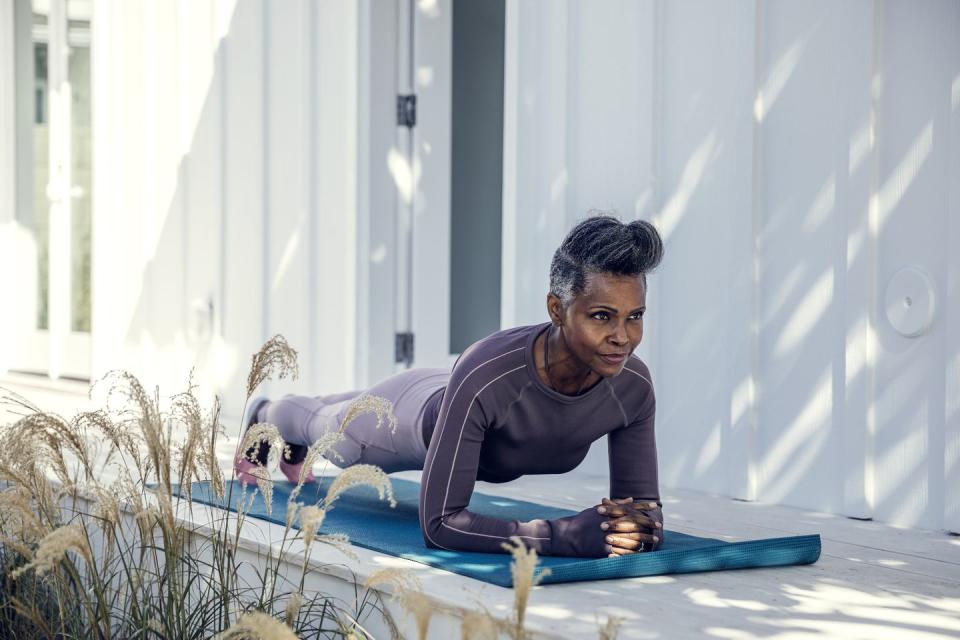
795,156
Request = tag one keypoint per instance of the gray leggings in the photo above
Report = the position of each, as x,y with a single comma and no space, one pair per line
303,419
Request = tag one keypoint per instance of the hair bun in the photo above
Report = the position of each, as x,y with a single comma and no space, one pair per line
649,242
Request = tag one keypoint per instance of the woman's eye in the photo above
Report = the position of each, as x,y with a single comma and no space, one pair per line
637,316
600,315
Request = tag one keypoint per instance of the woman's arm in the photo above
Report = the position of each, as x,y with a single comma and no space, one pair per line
449,476
633,464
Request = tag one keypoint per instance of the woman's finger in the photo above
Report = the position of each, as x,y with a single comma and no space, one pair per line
640,518
626,525
619,551
618,524
634,535
615,508
622,542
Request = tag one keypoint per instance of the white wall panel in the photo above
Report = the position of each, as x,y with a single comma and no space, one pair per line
431,171
243,313
536,208
332,37
8,143
201,76
287,172
702,319
226,166
377,192
812,105
951,449
10,230
913,204
799,155
609,98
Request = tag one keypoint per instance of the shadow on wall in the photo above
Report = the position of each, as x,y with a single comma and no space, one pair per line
821,441
222,163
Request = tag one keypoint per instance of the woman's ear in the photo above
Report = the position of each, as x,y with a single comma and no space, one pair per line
555,309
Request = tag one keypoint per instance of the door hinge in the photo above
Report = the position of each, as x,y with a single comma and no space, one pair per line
404,348
407,110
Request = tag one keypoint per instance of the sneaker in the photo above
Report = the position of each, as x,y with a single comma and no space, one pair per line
242,465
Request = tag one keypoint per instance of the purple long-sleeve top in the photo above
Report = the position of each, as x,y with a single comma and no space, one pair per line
496,420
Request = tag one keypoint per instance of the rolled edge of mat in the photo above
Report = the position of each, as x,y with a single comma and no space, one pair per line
748,554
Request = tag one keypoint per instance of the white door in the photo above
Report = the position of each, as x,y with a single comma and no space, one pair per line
54,187
450,57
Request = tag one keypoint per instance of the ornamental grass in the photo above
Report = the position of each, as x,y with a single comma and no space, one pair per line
98,539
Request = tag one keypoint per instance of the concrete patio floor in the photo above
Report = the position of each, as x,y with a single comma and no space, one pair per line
872,580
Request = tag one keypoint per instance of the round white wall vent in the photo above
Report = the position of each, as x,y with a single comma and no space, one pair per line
910,302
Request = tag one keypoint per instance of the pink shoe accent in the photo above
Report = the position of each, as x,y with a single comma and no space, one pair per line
292,471
242,467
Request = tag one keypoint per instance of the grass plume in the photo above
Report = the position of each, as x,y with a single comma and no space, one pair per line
275,359
258,626
523,570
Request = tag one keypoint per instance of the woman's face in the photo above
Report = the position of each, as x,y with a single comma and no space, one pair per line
604,324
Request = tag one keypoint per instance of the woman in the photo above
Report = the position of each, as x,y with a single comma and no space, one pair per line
524,400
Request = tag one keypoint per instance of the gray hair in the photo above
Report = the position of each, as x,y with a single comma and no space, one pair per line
603,244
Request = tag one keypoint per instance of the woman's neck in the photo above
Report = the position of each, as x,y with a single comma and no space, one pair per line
562,370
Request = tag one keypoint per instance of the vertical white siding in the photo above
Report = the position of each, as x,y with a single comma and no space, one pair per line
808,119
913,205
704,206
12,233
243,312
794,156
432,82
226,193
951,449
377,198
333,33
7,114
287,171
536,206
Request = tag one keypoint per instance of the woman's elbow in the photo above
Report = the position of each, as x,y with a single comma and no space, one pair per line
435,534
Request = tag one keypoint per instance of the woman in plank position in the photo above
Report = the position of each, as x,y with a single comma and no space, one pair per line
527,400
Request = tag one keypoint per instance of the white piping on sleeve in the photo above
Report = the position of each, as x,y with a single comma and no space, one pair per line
487,535
463,426
426,476
639,375
613,394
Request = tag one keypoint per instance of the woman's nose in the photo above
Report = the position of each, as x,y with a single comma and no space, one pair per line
619,335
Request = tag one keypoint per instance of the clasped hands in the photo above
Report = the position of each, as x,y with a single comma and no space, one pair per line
629,530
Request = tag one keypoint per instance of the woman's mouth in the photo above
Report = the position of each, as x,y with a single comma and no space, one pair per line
613,358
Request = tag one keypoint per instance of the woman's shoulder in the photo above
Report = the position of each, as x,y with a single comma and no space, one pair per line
637,373
634,386
501,349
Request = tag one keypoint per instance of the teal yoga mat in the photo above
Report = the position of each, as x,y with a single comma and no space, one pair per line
371,523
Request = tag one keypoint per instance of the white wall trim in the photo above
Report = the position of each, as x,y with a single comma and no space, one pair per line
265,298
751,489
365,301
8,96
873,234
511,106
951,461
